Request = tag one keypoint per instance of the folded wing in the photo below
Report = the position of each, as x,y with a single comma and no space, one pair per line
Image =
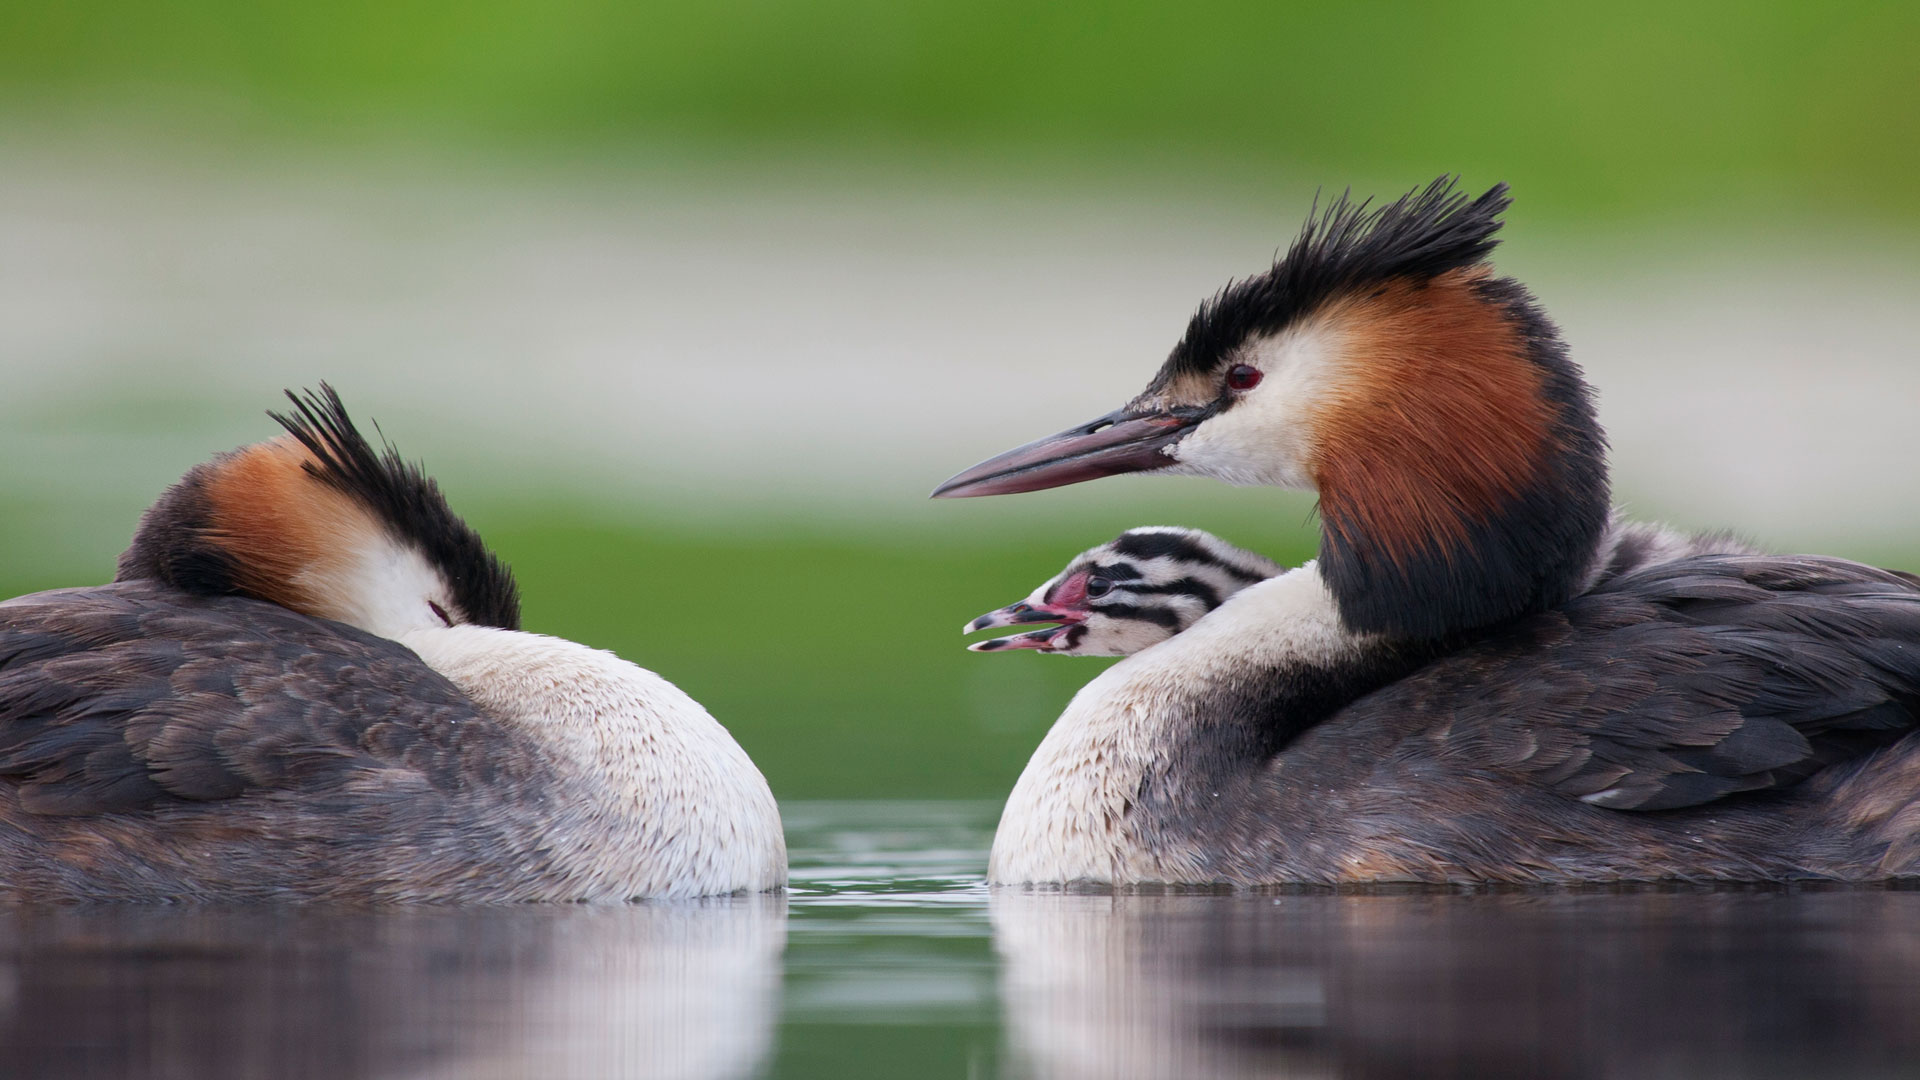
1686,682
127,699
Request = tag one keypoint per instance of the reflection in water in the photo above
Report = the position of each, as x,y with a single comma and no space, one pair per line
889,966
898,961
649,990
1539,985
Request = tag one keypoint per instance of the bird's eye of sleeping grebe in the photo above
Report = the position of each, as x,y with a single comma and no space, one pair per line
1139,589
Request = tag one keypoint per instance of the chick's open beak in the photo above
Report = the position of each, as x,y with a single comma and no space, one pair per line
1020,614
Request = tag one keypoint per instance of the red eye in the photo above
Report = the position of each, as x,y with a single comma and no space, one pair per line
1243,377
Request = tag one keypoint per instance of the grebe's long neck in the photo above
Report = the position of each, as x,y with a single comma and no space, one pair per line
667,803
1122,786
1465,480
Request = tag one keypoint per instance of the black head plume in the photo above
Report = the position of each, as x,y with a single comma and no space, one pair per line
407,501
1343,249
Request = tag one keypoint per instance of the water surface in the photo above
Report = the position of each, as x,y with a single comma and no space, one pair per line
889,957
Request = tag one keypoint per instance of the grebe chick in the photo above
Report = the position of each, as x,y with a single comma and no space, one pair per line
307,682
1483,676
1136,590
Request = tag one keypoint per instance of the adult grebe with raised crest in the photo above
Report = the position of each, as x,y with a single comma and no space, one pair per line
1482,677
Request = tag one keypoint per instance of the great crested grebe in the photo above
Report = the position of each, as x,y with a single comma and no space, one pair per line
1136,590
1481,677
307,682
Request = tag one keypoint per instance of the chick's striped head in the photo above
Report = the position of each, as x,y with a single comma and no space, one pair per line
1137,590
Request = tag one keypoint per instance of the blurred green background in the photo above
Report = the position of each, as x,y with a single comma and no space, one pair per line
689,305
1637,106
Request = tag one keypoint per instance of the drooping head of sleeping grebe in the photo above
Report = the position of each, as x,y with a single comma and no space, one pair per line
1136,590
319,521
1382,364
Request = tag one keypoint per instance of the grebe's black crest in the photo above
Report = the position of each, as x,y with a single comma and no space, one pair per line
1344,249
407,501
1496,558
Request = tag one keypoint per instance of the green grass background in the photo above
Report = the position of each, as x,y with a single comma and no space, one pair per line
1640,107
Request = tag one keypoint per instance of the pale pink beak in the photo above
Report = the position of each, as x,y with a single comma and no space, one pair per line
1119,442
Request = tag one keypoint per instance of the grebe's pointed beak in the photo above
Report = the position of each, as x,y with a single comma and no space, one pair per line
1122,441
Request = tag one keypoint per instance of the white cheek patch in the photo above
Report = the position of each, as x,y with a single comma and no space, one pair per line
1267,437
380,586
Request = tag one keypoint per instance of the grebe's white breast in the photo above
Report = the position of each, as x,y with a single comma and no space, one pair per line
1071,815
659,798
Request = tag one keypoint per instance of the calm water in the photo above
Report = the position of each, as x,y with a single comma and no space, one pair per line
890,958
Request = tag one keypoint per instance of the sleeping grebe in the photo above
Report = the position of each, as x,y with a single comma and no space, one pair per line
1135,590
307,682
1481,678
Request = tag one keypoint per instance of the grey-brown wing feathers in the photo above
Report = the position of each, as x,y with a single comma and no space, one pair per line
1687,682
129,697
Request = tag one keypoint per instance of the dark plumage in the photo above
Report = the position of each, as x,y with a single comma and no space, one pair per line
1721,683
173,747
